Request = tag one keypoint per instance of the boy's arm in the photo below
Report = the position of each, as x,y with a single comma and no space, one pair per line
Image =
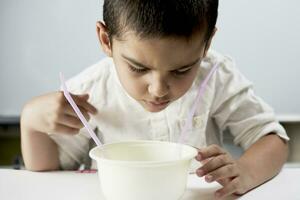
264,158
50,113
39,151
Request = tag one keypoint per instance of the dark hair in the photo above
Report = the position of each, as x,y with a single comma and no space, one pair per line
160,18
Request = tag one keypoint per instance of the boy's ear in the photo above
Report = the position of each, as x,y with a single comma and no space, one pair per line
208,43
104,38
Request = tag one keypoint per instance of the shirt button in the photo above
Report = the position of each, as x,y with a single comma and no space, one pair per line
198,121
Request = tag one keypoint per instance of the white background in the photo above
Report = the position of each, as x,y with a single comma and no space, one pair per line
40,38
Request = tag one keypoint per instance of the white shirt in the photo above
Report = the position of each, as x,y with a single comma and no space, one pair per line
228,103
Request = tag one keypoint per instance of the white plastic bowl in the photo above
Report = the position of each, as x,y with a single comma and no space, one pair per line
143,170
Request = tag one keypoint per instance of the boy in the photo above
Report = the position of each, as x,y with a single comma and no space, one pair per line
157,57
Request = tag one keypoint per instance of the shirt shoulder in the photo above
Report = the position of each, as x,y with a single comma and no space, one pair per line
227,80
88,78
225,62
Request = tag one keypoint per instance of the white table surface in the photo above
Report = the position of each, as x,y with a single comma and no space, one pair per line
22,184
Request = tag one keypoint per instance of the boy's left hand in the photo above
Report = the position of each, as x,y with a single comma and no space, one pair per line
218,165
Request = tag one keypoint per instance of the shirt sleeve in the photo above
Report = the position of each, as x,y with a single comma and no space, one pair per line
73,149
238,109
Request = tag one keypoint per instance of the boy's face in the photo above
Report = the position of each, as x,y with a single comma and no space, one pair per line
155,72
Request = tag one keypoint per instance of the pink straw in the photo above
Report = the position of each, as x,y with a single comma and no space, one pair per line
189,121
77,111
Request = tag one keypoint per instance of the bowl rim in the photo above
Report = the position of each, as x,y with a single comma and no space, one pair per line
141,163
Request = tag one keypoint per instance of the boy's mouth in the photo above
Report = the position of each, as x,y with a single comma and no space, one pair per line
155,106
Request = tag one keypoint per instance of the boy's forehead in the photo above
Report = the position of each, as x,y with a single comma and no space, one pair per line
133,40
167,51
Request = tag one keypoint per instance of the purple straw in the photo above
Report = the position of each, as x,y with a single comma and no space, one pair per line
77,111
189,121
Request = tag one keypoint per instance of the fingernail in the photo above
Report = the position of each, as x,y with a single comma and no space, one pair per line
209,178
200,172
199,157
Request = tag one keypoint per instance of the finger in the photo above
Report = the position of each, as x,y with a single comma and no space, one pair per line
81,96
214,163
224,181
81,100
70,121
210,151
70,111
203,162
229,189
62,129
224,172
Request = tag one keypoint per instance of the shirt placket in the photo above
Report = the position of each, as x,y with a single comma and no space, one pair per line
159,127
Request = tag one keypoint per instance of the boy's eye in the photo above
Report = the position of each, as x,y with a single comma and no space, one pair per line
137,69
181,71
143,70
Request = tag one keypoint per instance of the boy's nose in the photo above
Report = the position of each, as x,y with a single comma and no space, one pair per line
158,89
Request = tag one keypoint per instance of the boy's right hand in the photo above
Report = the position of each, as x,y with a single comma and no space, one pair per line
52,113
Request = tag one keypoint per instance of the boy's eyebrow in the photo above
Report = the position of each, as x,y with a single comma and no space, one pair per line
136,62
149,67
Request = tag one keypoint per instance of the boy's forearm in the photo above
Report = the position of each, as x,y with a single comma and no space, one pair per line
264,159
39,151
